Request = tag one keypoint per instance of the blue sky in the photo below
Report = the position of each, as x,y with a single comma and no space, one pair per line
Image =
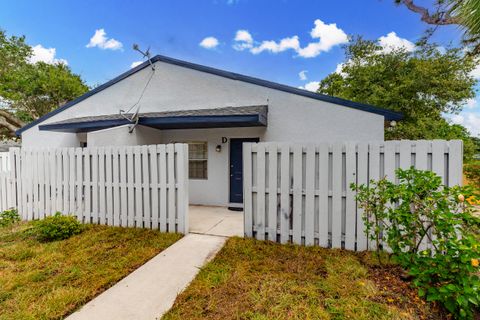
95,37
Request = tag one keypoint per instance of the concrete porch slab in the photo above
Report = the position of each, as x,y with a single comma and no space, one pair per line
217,221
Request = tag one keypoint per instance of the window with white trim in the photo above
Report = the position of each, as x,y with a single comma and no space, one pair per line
197,160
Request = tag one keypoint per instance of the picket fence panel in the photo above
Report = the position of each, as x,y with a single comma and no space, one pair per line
129,186
301,193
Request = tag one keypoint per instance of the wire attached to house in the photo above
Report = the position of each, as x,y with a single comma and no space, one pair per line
134,118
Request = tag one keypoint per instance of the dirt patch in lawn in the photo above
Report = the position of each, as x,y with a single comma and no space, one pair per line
50,280
251,279
394,288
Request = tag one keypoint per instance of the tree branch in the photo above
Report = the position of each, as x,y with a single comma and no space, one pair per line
442,19
7,125
11,118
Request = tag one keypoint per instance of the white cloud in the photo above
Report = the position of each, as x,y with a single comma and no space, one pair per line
339,68
135,63
476,72
209,43
471,104
303,75
47,55
311,86
392,42
274,47
469,120
326,36
243,40
101,41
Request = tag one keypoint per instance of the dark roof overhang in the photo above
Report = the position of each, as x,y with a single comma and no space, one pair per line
249,116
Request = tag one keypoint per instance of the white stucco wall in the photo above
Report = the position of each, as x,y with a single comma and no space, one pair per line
121,136
290,118
214,190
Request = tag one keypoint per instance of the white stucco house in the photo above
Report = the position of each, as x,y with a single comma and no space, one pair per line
215,111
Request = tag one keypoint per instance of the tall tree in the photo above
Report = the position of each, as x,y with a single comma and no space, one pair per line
465,13
27,90
424,84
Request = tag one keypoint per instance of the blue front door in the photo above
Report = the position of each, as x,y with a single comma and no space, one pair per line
236,168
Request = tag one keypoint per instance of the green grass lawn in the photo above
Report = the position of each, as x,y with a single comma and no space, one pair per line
50,280
251,279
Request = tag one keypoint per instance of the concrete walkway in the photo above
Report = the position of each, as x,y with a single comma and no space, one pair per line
150,291
217,221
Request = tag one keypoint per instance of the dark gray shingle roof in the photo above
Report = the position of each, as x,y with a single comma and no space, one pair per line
226,111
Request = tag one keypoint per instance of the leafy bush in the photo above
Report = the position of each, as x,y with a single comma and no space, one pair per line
9,217
57,227
420,208
472,172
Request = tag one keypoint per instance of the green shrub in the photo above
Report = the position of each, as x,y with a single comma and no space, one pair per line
418,208
57,227
472,172
9,217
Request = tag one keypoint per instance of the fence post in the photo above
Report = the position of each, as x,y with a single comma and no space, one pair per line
247,190
182,181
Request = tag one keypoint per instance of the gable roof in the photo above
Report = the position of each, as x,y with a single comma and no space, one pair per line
388,114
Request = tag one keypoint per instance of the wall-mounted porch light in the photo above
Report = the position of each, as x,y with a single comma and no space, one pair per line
218,148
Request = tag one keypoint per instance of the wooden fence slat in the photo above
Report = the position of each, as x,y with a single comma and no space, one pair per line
101,186
405,154
147,216
130,188
350,176
421,163
171,187
389,160
310,196
272,191
323,195
79,183
247,190
285,205
438,159
337,195
182,189
297,194
109,184
87,184
95,185
260,212
116,186
41,185
35,193
162,155
362,179
123,187
455,167
65,181
71,180
421,158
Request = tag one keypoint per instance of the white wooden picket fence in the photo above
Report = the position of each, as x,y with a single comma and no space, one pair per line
129,186
301,193
5,185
